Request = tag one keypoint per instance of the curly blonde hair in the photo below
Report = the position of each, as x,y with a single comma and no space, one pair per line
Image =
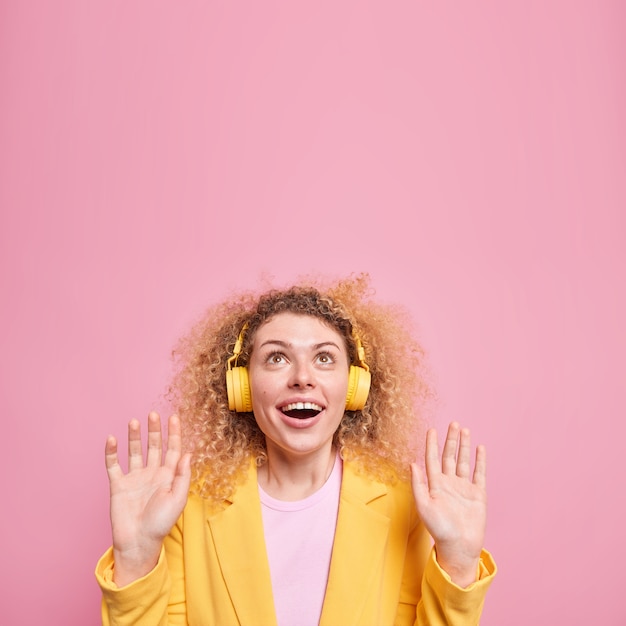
382,438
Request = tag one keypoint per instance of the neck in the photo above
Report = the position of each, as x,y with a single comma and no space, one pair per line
286,478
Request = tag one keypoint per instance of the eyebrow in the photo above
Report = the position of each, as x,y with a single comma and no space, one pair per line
284,344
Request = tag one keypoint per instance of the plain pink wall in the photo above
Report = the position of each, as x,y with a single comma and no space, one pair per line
470,156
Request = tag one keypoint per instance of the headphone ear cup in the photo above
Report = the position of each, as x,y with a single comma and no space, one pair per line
238,390
359,381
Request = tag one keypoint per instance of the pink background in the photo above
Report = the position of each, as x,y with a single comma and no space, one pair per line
470,156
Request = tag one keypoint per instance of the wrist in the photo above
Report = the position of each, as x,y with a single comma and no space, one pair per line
462,570
130,566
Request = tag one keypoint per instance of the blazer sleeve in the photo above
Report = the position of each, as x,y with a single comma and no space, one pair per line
446,604
429,597
157,599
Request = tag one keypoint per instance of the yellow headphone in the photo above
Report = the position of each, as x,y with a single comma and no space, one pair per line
238,380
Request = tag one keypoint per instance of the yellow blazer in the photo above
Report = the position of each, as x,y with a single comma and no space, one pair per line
214,571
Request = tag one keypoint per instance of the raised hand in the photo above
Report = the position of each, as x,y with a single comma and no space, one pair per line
453,504
146,501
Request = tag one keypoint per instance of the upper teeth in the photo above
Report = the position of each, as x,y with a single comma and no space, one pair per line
299,406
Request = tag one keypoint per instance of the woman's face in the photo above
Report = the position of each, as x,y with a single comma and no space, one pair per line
299,380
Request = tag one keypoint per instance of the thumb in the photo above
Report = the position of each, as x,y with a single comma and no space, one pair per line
420,486
182,479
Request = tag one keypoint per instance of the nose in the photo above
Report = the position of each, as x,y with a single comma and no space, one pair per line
302,376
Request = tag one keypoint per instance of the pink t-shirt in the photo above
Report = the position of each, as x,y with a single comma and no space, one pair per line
299,539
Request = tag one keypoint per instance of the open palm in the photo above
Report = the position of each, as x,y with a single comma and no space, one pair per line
148,499
452,502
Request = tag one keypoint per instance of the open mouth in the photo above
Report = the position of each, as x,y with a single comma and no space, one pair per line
302,410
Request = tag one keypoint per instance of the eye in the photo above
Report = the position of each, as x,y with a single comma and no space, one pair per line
275,358
325,358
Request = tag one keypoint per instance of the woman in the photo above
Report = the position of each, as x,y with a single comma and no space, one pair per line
297,413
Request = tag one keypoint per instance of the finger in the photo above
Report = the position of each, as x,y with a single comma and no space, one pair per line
448,458
417,475
182,479
431,459
110,458
464,459
174,442
135,456
480,468
155,441
419,484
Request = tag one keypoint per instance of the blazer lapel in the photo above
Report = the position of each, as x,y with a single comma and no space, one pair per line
358,549
240,545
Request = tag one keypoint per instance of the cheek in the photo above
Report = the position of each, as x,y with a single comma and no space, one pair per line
342,385
341,393
257,380
262,390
